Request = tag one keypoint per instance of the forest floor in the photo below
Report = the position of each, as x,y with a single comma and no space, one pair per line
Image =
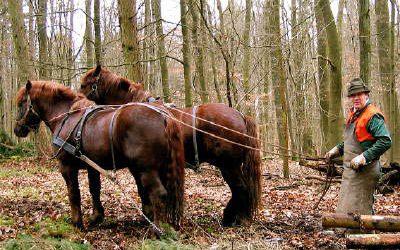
34,212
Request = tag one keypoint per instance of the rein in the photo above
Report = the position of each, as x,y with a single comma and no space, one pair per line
94,89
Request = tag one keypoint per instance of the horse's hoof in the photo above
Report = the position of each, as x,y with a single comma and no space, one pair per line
228,222
95,220
79,225
244,221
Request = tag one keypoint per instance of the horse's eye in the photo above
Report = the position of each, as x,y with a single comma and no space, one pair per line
83,86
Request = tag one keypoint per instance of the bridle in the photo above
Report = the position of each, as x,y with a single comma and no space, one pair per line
93,89
29,110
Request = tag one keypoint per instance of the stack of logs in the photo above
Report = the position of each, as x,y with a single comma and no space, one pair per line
390,175
361,228
365,223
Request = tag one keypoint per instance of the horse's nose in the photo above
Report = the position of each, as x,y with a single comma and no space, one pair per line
20,131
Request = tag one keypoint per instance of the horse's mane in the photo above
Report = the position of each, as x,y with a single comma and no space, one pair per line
112,84
51,91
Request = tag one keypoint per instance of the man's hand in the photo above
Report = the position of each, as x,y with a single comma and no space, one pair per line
358,162
333,153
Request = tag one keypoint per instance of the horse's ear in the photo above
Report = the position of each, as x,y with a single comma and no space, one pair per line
28,86
141,85
124,85
97,70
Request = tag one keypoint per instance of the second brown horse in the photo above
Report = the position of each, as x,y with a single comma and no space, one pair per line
240,166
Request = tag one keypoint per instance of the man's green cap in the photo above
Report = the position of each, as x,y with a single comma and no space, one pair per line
357,85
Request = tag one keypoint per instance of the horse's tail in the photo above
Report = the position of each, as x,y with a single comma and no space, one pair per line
252,167
175,173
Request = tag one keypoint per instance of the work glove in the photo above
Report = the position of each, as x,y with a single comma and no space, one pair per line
358,162
333,153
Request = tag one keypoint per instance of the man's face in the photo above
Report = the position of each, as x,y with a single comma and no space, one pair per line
359,100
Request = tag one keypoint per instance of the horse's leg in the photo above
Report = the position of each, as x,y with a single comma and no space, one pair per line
236,211
71,179
144,196
157,195
95,188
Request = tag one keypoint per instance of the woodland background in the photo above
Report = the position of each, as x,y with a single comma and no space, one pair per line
286,63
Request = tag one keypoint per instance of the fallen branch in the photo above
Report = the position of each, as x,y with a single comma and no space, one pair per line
7,146
321,178
368,222
373,241
321,166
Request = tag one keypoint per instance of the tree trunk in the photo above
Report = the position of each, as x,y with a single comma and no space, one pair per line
162,54
213,63
70,45
130,46
365,39
335,94
97,33
148,51
278,78
186,54
368,222
89,35
246,57
42,37
25,71
385,65
199,52
340,21
373,241
225,53
323,75
394,108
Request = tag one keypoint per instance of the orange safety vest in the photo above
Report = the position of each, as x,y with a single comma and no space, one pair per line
362,133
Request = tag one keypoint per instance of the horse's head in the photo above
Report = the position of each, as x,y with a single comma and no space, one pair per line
28,118
92,85
105,87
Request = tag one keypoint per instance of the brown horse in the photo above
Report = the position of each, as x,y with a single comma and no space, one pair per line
240,167
144,140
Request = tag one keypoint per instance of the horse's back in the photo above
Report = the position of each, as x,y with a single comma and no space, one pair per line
137,133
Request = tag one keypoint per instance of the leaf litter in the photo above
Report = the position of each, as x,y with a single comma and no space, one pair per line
33,192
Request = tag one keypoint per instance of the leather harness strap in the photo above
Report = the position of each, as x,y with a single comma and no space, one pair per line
75,150
196,152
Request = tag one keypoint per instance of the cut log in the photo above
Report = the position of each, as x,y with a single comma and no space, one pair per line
373,241
368,222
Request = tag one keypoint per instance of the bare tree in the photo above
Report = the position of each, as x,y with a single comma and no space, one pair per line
25,71
130,46
162,54
280,89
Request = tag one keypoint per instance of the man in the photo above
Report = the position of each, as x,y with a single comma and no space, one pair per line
366,138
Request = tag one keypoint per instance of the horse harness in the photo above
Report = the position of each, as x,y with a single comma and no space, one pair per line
77,130
29,110
196,167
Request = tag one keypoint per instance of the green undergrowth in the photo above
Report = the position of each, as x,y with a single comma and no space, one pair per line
61,228
6,172
6,221
27,242
169,240
46,234
9,148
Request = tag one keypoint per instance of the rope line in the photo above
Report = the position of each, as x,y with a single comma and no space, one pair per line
200,130
237,132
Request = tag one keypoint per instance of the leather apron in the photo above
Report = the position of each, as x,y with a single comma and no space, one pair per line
358,187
